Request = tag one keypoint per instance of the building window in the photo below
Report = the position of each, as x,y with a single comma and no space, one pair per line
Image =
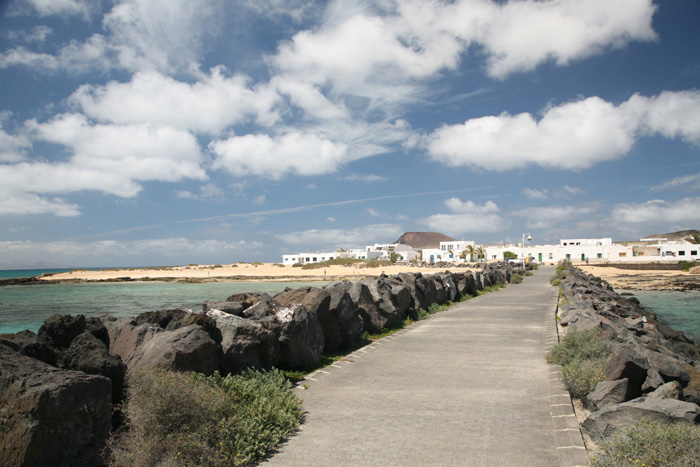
551,256
493,257
568,256
681,253
600,255
622,255
693,252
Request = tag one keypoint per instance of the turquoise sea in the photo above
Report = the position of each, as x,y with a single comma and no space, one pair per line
26,306
680,310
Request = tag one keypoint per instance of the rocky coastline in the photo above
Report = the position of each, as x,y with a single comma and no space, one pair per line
653,370
68,377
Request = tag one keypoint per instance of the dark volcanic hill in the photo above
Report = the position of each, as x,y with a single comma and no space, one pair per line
675,235
420,240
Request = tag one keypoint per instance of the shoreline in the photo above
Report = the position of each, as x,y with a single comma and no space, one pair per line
644,279
258,272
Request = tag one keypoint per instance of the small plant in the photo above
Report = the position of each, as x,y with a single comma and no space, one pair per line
584,360
650,443
192,419
535,266
555,281
516,278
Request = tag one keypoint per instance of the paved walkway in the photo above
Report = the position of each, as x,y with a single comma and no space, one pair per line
467,387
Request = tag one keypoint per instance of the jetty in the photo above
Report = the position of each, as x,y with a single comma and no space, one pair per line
467,387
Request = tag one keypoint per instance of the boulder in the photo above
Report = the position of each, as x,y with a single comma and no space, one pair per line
27,343
630,365
189,348
351,325
125,337
466,284
90,355
300,337
653,381
428,291
606,394
385,313
317,302
298,332
50,416
670,390
60,330
161,318
603,423
244,343
232,308
372,319
449,285
245,300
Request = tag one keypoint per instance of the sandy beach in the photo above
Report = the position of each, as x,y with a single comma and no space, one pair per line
636,279
237,272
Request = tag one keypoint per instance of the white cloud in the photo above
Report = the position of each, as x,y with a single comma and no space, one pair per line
684,182
374,213
573,190
73,57
545,217
365,178
11,146
208,191
520,35
36,34
291,153
533,193
28,203
113,159
467,217
132,253
60,7
258,200
358,236
680,214
574,136
331,219
208,105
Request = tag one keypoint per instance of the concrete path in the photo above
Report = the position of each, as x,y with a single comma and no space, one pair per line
466,387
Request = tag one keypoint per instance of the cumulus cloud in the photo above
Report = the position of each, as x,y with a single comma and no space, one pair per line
12,147
467,217
331,238
264,156
365,178
113,159
680,214
27,203
208,105
574,135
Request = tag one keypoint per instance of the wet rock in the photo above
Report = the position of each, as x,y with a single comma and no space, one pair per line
51,416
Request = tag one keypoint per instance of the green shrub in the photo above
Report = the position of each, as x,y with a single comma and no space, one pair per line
686,265
417,315
192,419
527,273
584,360
535,266
582,375
516,278
586,344
555,281
650,443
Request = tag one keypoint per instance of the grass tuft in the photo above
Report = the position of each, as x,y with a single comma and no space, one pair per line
650,443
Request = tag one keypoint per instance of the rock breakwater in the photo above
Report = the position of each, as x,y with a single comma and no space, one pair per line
653,370
81,363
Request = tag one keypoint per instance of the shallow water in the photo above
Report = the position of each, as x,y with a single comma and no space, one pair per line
681,310
26,306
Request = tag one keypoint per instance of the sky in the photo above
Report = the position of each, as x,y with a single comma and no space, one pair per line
153,132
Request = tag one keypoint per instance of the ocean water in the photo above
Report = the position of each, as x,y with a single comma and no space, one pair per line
26,306
681,310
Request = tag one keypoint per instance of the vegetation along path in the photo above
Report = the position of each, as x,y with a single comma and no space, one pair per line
469,386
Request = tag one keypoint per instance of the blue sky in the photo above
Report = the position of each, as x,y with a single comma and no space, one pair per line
146,132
